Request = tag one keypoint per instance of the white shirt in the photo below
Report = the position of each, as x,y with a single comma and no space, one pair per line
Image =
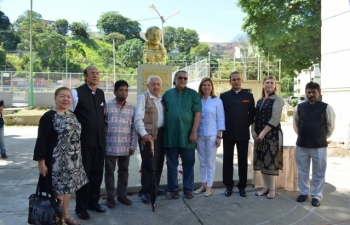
140,113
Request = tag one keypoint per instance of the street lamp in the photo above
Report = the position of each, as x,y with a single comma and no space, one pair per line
162,18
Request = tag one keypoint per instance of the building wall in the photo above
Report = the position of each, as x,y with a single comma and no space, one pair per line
335,64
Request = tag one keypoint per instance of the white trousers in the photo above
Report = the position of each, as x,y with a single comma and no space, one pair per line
319,165
206,148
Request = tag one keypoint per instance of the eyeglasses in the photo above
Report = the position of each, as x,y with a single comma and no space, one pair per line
182,78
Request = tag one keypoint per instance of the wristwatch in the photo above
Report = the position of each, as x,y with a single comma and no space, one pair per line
218,137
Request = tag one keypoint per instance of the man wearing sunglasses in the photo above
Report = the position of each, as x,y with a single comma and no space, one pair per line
182,116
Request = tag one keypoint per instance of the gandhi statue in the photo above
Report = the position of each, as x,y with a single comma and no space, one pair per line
153,51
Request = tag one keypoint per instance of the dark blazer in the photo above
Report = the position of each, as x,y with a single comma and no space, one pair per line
90,113
239,114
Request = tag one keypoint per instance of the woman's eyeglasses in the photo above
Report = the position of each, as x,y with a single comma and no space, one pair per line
182,78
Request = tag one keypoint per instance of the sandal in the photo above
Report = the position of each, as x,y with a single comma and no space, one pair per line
71,221
200,190
270,195
264,191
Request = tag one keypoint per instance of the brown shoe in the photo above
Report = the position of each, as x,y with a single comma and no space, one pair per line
188,195
124,200
111,204
174,194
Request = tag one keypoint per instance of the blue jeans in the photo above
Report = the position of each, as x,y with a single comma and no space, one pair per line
188,159
2,142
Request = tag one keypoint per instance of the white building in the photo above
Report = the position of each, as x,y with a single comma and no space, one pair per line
304,77
335,64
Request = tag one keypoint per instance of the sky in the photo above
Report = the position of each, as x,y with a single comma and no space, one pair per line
214,20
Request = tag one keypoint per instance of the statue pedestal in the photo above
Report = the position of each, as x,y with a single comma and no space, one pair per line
146,70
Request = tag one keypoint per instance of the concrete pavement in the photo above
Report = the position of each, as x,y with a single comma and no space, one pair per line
19,174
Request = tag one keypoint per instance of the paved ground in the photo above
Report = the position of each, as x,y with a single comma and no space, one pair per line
18,177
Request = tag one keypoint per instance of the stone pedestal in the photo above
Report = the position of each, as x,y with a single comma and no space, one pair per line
146,70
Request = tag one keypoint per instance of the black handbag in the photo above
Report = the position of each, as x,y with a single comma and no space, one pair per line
44,209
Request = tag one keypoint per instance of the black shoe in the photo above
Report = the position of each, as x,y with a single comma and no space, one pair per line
84,215
228,192
301,198
124,200
242,193
161,192
97,208
4,156
315,202
145,198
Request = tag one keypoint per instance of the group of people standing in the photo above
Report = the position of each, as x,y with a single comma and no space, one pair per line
83,135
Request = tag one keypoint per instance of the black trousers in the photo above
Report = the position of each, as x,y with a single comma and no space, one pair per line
158,160
89,194
242,155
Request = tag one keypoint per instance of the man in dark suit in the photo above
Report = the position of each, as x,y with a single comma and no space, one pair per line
239,109
88,104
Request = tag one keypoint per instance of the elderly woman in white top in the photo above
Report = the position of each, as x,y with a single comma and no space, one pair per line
209,134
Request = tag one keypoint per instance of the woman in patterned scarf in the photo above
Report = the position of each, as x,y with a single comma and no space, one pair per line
57,151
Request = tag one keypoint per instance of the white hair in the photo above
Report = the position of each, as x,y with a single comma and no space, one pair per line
150,78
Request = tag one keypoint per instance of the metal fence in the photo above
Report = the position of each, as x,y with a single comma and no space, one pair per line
17,82
196,72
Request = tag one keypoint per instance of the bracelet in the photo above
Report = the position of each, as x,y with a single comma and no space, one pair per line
218,137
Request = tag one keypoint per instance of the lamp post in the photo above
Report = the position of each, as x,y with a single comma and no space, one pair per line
31,100
162,18
209,64
67,45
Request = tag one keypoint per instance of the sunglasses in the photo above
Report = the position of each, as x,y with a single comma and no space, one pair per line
182,78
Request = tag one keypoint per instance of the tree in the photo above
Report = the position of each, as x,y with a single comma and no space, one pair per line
22,24
61,26
286,30
183,39
119,38
9,39
4,21
169,38
110,22
2,56
186,39
50,49
130,53
201,49
78,30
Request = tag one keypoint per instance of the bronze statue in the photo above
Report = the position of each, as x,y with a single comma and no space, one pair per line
153,51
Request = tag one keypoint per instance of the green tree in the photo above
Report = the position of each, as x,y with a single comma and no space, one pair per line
110,22
78,30
4,21
169,38
61,26
186,39
119,38
130,53
22,24
50,48
286,30
201,49
2,56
